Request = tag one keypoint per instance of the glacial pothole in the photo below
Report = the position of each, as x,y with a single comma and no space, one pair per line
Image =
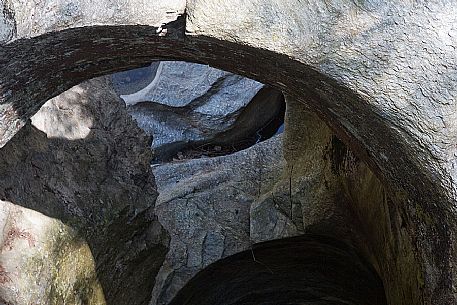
195,111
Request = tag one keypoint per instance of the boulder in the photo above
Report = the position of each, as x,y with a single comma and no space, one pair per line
76,212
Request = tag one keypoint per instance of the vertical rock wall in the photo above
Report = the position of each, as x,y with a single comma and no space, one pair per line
78,227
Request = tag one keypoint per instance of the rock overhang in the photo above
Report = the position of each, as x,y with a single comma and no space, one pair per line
351,62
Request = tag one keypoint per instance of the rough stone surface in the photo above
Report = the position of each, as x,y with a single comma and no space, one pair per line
212,208
178,84
332,192
37,18
307,183
78,227
204,204
44,261
7,23
307,194
311,184
381,74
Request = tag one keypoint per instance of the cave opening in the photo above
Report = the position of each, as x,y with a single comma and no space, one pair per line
305,270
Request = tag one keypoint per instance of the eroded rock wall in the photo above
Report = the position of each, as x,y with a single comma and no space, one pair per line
78,227
79,205
380,74
205,205
188,106
81,170
305,181
339,196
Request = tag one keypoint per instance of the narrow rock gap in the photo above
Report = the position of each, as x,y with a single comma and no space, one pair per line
234,140
310,269
195,111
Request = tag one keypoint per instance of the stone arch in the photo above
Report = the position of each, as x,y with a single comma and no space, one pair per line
349,93
303,270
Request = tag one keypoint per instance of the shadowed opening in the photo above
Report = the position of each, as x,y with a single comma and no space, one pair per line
305,270
193,110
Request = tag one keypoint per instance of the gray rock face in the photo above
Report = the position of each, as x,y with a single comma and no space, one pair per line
205,204
216,207
49,15
177,84
381,74
97,215
7,23
190,105
96,209
76,212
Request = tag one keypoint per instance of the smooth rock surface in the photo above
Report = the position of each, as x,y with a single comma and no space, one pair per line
131,81
192,105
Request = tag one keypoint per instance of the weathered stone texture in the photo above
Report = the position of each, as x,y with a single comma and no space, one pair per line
191,105
34,18
382,75
205,205
307,183
7,23
83,164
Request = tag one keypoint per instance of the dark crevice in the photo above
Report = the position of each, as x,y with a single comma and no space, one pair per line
311,269
266,109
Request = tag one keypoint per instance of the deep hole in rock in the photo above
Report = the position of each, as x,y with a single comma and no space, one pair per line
361,70
194,110
310,269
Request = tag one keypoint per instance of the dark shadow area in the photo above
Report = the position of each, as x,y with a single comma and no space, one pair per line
261,119
100,185
311,270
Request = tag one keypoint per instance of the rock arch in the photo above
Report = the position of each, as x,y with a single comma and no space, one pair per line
381,75
304,270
